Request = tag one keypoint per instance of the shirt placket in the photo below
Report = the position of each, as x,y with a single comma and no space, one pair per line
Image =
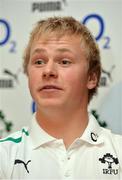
65,158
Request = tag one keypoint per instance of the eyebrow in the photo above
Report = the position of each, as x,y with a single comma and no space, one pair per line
38,50
63,50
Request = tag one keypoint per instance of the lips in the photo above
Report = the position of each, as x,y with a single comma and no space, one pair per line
50,87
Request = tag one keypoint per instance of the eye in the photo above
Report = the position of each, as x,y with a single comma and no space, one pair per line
40,62
65,62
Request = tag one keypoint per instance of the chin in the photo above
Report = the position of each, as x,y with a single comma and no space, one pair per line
50,103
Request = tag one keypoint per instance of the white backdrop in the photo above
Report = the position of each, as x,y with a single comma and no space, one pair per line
17,18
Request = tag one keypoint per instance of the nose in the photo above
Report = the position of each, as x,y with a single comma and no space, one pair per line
50,70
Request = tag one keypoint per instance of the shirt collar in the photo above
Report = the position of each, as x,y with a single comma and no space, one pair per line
92,133
38,135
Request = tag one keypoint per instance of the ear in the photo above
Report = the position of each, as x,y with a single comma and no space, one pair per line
92,81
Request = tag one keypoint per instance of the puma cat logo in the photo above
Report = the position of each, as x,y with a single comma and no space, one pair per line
18,161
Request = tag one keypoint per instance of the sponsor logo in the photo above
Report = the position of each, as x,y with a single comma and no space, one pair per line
48,6
100,35
106,77
5,36
18,161
9,82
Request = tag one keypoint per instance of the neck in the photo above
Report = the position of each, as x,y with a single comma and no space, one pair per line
66,126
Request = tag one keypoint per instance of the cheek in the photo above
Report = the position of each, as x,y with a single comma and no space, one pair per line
33,75
33,79
77,77
30,82
33,85
76,83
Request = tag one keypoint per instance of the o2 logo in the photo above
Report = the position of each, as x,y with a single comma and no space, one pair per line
5,31
101,28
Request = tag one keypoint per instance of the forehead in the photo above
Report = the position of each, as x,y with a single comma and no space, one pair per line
46,39
63,43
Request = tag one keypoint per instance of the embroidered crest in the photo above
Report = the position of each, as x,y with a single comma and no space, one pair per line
109,160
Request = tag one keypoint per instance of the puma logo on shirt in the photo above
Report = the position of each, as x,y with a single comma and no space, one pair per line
18,161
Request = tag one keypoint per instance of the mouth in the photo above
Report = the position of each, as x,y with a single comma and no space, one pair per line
50,88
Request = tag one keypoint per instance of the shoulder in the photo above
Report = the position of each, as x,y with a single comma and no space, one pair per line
113,136
13,140
15,137
115,141
9,147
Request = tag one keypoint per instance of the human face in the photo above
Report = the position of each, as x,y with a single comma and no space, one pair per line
58,73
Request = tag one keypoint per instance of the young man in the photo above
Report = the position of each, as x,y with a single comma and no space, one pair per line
64,141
